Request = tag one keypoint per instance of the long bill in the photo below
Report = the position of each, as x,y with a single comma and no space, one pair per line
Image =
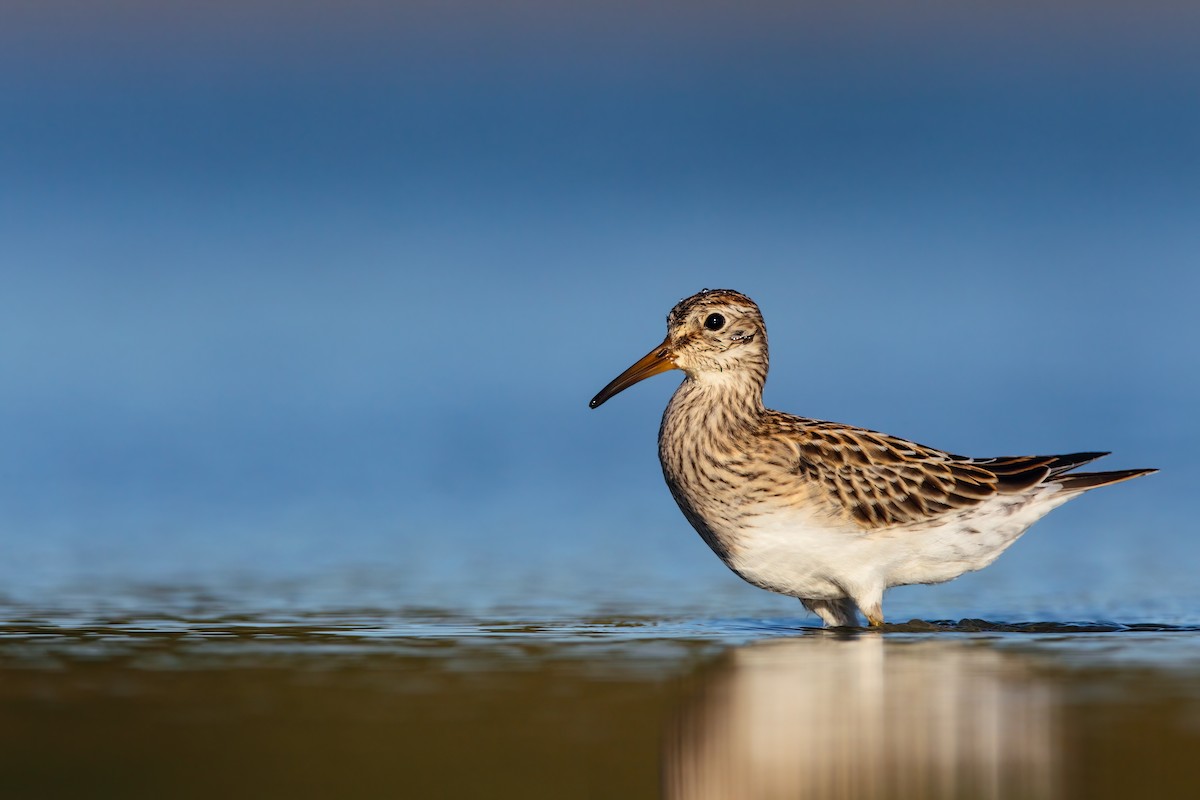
660,359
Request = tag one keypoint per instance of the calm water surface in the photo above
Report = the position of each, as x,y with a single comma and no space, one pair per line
201,700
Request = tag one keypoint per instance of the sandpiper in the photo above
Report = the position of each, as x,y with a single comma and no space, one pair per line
827,513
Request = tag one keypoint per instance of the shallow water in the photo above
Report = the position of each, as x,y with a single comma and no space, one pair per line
427,703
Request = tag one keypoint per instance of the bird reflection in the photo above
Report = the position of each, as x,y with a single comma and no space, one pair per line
867,717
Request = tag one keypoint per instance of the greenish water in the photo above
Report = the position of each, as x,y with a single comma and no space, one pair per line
421,703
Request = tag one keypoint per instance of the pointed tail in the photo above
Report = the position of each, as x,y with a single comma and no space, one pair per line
1090,480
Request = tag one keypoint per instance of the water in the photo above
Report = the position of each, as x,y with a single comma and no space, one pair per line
366,702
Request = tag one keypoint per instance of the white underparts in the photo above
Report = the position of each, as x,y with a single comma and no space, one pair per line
794,553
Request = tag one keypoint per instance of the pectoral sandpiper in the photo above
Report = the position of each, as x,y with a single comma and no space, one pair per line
828,513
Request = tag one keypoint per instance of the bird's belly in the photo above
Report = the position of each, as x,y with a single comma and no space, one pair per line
796,556
807,557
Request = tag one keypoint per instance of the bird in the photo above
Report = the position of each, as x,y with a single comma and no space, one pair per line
829,513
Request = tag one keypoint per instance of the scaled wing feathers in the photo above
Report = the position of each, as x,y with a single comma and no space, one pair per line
883,481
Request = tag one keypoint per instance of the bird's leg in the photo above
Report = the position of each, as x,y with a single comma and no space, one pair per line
838,613
872,607
870,601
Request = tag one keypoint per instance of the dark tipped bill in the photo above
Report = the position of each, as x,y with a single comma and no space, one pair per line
660,359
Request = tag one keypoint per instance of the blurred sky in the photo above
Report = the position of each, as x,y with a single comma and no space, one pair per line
293,290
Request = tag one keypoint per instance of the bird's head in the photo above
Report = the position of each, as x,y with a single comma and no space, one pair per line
714,336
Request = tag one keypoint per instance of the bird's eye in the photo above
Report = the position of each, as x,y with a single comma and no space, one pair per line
714,322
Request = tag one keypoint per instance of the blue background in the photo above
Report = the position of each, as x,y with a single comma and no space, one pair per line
302,304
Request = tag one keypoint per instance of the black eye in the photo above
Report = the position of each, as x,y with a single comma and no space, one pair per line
714,322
